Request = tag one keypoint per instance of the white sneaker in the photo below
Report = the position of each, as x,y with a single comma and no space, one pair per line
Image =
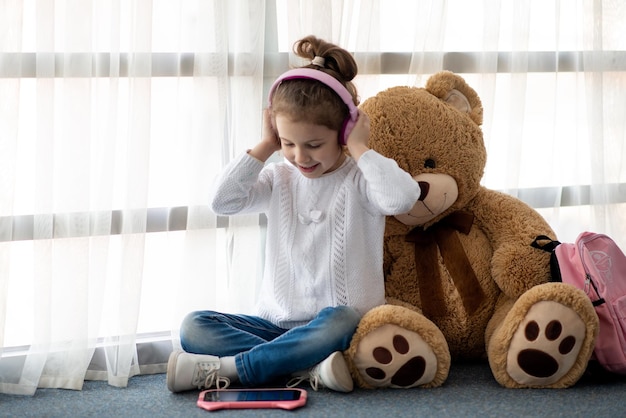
187,371
332,373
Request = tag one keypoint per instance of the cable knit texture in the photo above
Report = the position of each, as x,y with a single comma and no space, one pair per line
324,235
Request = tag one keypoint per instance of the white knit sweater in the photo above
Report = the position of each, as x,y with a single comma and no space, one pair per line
324,236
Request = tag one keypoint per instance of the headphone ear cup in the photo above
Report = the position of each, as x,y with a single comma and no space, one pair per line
347,127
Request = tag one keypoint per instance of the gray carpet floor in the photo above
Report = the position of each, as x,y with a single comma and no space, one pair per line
470,391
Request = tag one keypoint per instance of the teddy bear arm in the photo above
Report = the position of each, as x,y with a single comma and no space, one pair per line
398,266
511,226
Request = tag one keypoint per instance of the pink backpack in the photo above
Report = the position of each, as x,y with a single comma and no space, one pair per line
595,264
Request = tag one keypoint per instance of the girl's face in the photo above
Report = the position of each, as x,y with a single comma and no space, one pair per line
313,149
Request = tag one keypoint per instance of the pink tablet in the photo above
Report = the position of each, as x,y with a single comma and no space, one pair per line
283,398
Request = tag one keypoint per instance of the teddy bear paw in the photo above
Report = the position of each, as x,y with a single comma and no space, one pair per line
546,344
391,356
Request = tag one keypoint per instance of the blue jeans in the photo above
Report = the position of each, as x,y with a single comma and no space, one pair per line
264,352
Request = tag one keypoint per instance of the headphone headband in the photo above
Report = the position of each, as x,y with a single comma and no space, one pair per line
330,81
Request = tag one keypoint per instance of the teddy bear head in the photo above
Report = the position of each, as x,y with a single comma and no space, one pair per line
434,134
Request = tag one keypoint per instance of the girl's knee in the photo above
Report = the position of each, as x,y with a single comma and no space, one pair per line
190,321
194,332
345,316
349,314
343,323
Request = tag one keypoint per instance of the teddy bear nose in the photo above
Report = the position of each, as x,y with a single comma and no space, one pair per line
424,187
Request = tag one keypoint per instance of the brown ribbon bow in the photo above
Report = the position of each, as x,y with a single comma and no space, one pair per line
444,235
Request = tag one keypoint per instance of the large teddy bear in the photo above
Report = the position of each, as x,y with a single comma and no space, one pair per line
462,279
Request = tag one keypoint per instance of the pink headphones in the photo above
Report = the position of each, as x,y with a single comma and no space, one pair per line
333,83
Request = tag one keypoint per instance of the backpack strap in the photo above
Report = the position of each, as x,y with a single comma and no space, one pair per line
540,243
547,244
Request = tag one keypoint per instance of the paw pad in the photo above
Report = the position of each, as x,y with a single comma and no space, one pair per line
403,360
546,344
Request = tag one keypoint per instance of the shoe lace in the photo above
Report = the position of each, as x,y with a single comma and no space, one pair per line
206,375
312,376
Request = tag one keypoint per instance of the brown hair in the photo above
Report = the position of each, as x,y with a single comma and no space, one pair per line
310,100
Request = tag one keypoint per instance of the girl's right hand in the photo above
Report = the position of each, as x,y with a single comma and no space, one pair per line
270,143
270,136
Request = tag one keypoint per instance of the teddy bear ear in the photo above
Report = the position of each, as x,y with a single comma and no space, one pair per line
453,89
458,101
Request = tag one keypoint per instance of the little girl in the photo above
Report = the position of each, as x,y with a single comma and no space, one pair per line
324,250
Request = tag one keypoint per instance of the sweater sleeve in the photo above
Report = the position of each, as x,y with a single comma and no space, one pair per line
241,187
388,187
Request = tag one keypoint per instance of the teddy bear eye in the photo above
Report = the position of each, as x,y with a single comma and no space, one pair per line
430,163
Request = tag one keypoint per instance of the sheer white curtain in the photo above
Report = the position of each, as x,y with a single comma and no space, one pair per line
115,116
554,121
112,112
